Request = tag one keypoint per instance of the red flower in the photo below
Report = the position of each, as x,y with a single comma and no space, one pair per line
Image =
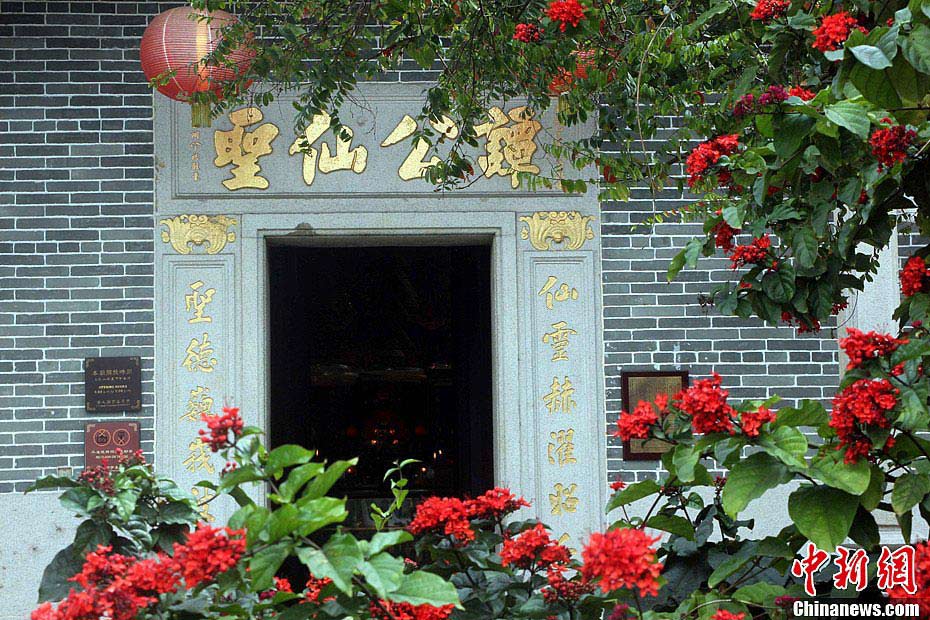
315,588
622,558
767,10
569,590
220,426
708,153
914,276
494,504
889,144
707,405
752,421
617,485
723,235
833,31
533,549
861,406
207,552
723,614
754,253
637,424
861,346
802,93
898,594
445,515
527,33
389,610
565,12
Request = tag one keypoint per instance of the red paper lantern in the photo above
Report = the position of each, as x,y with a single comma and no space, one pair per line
177,41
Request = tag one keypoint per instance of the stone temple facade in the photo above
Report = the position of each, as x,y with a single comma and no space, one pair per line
112,209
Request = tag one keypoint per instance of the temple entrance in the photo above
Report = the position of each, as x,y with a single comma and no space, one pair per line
384,353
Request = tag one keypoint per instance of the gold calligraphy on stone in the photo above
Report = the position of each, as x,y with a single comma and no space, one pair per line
195,154
203,504
559,397
345,158
562,499
563,293
199,403
199,355
561,448
512,144
558,340
196,301
544,228
243,148
185,232
199,457
415,164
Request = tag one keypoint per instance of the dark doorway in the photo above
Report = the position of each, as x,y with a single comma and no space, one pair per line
384,353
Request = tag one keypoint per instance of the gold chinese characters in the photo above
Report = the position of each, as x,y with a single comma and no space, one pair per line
243,148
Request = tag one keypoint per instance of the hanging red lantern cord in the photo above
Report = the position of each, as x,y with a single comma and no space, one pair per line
176,43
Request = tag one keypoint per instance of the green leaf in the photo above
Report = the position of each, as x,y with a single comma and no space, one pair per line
383,540
761,594
325,481
809,413
66,564
916,48
320,566
789,445
282,522
383,572
684,458
872,497
908,491
729,566
822,514
673,524
246,473
636,491
52,482
264,565
338,560
793,130
831,470
320,512
285,456
851,116
871,57
749,479
805,247
126,503
422,588
297,478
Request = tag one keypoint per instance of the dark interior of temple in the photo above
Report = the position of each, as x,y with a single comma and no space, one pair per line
384,353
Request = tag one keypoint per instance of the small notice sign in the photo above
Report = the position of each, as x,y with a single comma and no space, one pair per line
102,439
112,384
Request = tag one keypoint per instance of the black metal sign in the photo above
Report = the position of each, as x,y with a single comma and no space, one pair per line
112,384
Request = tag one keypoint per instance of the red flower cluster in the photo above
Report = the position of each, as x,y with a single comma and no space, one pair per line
723,235
636,425
494,504
752,254
863,403
751,421
707,405
898,594
117,587
562,82
914,276
99,478
889,144
533,548
723,614
315,588
622,558
708,153
565,12
445,515
801,93
389,610
833,31
527,33
860,346
281,584
767,10
561,588
220,426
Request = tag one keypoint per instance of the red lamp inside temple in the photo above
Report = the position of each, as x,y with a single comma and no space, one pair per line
175,45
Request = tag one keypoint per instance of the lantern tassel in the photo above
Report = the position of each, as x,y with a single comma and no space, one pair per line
200,114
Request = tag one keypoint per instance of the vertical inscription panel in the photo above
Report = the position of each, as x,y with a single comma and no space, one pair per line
562,389
197,364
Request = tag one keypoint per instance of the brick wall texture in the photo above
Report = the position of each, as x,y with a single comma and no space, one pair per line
76,249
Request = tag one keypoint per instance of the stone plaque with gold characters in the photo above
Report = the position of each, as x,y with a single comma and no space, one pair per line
639,386
252,151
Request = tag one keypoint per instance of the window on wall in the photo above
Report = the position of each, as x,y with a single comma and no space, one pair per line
384,353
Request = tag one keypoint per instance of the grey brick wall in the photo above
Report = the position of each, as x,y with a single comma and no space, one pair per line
76,249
